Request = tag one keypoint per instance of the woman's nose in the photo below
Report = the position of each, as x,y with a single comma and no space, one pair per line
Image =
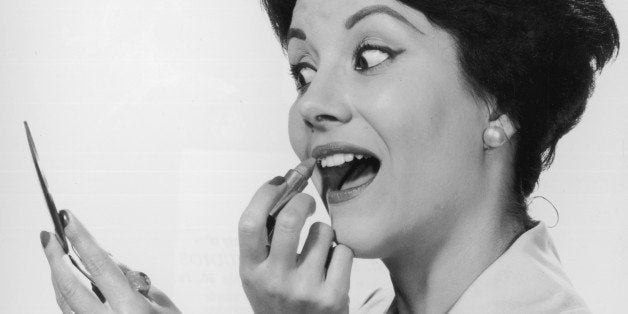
324,105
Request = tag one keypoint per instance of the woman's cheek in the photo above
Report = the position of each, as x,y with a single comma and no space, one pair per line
404,108
296,132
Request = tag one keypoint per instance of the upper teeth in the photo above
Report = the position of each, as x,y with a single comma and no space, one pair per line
338,159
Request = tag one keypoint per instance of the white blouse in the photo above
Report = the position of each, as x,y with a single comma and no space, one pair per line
527,278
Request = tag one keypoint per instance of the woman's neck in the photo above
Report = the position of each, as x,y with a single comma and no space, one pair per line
430,279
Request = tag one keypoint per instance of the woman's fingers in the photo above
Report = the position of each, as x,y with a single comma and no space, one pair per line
339,271
316,249
161,299
274,281
104,271
63,305
69,288
252,225
288,227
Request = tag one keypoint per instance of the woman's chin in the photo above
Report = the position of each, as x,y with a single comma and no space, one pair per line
365,236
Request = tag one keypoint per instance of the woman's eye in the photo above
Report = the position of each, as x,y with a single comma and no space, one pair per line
307,75
369,58
303,74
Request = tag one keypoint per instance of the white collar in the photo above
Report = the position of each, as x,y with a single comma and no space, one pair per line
527,278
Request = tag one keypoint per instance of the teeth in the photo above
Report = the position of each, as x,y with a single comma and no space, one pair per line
338,159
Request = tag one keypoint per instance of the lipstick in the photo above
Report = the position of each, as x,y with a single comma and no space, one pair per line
296,179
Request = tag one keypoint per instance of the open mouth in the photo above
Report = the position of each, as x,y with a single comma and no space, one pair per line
346,174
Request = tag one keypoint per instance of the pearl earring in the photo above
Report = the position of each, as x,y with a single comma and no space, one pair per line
493,137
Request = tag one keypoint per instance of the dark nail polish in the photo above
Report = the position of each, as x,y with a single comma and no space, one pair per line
277,181
64,217
98,293
145,278
45,238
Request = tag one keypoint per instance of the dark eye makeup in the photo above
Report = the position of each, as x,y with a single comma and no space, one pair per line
295,71
361,62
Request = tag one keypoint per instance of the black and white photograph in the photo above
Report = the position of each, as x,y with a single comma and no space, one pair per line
313,156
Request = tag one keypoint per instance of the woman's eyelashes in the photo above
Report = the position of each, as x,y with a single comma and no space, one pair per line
303,73
367,57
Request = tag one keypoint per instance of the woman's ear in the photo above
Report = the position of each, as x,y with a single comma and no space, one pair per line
505,123
498,132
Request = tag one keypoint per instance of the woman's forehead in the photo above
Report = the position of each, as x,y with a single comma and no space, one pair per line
325,17
333,12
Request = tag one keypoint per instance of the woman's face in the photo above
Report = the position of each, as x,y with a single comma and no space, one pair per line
378,81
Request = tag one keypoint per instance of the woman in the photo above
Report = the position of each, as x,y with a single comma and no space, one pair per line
459,105
430,122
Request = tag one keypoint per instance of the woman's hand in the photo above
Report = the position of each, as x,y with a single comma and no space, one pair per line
279,280
72,295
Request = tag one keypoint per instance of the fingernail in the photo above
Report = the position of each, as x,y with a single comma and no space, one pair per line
98,293
45,238
145,278
65,218
139,281
278,180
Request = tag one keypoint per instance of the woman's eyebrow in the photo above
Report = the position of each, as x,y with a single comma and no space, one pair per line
357,17
377,9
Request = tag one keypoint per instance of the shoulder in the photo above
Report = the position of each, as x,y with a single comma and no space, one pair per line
527,278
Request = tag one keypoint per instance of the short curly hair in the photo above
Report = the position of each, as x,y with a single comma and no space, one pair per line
535,59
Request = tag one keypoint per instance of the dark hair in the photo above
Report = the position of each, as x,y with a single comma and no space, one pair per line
536,59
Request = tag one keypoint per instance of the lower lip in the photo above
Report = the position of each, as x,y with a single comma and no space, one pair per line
337,197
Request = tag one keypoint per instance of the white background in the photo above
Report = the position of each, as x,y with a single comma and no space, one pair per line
156,121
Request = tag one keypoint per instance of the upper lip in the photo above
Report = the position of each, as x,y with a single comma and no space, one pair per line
339,147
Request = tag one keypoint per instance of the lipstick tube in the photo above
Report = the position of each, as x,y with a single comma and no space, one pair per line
296,179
